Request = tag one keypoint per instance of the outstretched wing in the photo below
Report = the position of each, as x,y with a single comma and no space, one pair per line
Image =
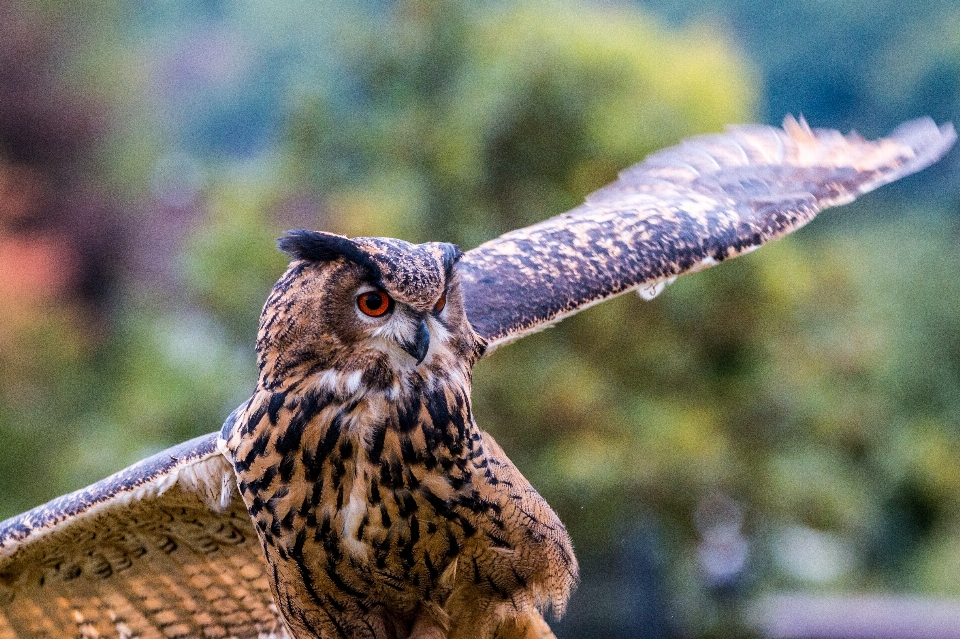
683,209
164,548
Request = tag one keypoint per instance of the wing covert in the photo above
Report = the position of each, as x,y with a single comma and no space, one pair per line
164,548
681,210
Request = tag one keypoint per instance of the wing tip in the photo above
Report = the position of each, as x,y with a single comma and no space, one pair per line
927,143
928,140
911,147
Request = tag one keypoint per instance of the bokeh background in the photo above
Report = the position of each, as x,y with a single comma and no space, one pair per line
789,422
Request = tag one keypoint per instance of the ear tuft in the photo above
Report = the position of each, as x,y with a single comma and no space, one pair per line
301,244
315,246
451,255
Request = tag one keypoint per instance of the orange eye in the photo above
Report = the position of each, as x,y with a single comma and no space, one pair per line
374,303
440,303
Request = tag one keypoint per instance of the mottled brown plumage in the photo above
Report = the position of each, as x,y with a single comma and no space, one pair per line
378,501
161,549
372,505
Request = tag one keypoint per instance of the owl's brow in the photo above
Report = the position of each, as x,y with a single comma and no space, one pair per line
312,246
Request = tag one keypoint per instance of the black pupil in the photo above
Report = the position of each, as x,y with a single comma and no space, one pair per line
374,301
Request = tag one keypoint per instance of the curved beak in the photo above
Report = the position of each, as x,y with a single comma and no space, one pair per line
421,342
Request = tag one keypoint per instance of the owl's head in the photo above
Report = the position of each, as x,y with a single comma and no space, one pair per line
365,308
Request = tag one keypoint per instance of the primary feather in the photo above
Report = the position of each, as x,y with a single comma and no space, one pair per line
682,209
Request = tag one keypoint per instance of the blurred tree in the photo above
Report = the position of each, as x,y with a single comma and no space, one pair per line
60,249
473,120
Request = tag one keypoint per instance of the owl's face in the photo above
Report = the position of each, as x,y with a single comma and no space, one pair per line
360,313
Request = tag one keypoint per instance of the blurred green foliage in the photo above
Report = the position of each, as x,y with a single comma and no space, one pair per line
808,391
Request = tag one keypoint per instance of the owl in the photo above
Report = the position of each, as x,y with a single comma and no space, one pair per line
376,497
354,495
